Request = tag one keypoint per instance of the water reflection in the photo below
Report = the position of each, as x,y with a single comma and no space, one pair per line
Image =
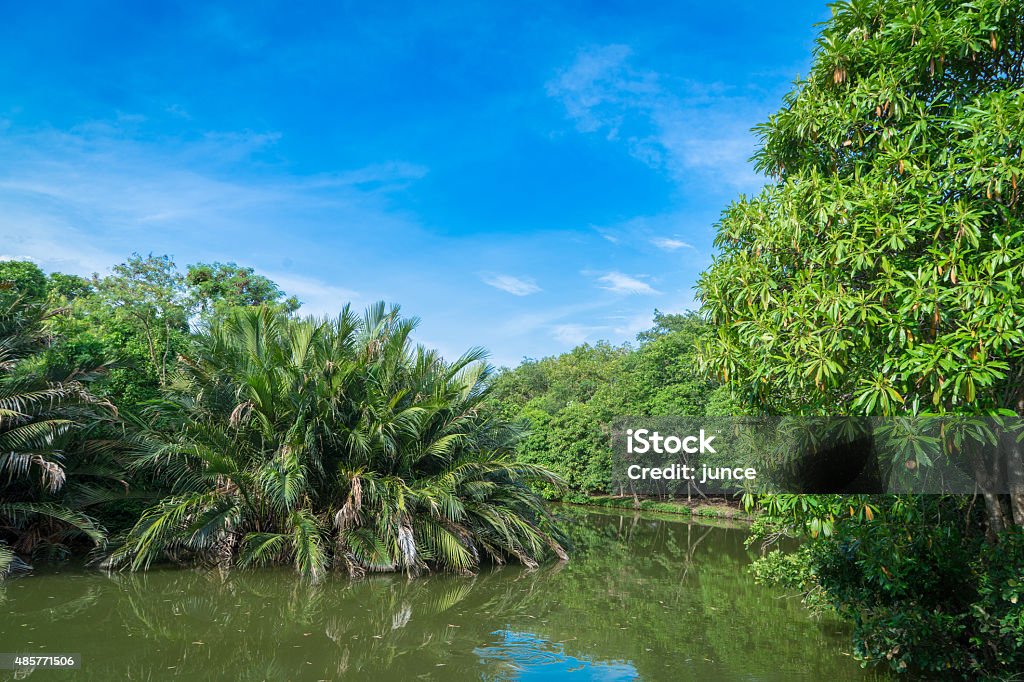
526,656
643,598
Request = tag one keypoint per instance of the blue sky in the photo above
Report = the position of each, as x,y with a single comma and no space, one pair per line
521,176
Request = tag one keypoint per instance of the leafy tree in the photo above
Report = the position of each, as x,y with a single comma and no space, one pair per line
662,377
668,323
880,273
41,501
569,401
67,287
218,286
136,319
334,442
30,282
22,279
146,297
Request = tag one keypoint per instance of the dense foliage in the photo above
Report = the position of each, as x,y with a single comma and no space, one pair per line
924,588
248,436
882,271
44,498
334,442
568,401
880,274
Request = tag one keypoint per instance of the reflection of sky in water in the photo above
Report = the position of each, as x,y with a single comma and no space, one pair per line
529,657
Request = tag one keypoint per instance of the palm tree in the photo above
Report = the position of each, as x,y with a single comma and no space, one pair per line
334,443
39,510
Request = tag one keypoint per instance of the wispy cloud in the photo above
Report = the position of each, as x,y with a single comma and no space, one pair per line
53,243
676,234
317,297
99,167
81,200
682,127
573,334
624,327
606,234
598,87
624,284
629,325
670,244
517,286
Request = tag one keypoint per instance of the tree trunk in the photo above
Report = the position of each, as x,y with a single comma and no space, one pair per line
996,518
1015,470
987,474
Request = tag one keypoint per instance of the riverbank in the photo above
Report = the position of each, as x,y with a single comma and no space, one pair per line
712,508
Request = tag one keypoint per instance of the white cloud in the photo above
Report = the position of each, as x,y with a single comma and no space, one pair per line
96,170
681,127
317,298
628,326
670,244
517,286
598,86
571,334
537,318
80,201
606,234
624,284
52,243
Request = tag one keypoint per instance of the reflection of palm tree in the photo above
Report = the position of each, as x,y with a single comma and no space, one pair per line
354,620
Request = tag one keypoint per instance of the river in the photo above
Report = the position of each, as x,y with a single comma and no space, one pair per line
645,597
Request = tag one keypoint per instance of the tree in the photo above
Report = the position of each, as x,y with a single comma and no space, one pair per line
662,377
67,287
148,294
218,286
881,272
334,442
137,318
41,505
22,279
32,283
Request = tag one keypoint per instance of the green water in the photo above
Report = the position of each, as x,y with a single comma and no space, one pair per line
644,597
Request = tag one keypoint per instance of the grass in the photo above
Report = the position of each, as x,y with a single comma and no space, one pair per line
714,508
